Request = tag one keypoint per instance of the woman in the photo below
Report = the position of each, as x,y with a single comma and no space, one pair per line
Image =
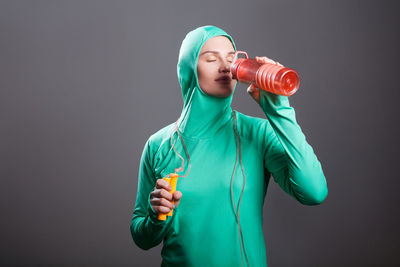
228,160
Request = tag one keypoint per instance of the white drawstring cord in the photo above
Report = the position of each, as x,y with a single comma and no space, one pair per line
238,154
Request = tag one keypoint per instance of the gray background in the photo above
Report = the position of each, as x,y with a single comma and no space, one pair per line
85,83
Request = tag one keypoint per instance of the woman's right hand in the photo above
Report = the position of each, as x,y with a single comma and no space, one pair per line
160,198
252,89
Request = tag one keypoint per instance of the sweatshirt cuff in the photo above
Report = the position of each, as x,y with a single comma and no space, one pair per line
271,103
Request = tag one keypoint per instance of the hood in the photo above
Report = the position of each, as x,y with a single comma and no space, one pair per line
202,115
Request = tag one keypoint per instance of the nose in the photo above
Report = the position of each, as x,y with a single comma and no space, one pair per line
225,66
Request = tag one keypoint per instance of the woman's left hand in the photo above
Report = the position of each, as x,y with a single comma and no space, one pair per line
252,89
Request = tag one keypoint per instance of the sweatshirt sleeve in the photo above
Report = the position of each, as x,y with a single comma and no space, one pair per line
146,230
288,156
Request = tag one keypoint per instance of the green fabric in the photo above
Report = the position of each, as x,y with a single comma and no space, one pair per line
203,230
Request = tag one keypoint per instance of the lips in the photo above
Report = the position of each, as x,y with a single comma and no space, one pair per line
224,78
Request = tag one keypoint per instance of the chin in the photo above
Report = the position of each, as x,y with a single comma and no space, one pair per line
219,92
225,94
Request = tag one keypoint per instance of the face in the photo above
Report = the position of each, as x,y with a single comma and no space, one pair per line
213,67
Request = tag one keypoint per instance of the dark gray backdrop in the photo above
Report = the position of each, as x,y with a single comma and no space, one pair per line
85,83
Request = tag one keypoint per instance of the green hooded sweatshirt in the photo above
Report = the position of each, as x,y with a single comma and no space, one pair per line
204,229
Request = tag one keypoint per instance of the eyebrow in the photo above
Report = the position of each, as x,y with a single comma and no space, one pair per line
214,52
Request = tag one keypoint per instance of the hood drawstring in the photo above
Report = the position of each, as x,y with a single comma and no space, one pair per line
187,153
237,213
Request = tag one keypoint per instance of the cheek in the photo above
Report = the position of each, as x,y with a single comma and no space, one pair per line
204,73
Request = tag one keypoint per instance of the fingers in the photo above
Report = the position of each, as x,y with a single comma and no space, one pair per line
161,193
161,199
161,183
267,60
162,205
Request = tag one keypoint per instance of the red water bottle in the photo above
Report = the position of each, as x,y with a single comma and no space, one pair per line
269,77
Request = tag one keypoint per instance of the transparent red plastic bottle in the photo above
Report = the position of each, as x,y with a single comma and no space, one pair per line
269,77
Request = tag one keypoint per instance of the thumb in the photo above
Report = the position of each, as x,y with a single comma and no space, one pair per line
254,92
177,197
